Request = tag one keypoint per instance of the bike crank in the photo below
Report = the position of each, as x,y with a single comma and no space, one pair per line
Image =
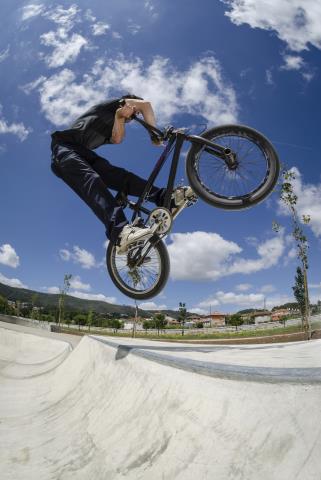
162,218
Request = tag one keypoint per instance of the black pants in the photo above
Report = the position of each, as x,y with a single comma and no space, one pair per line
89,175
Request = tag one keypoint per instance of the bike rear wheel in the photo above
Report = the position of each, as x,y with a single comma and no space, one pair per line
250,182
145,280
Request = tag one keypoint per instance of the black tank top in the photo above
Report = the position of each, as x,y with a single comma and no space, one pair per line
93,128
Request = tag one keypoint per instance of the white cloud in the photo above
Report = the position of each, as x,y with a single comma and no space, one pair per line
152,306
315,285
100,28
278,299
52,289
79,255
250,300
150,8
65,254
133,27
293,62
308,76
31,10
199,255
117,35
77,284
295,22
308,203
4,54
269,77
199,311
65,18
92,296
83,257
12,282
269,253
17,129
29,87
208,256
66,48
200,90
89,15
267,288
8,256
237,301
243,287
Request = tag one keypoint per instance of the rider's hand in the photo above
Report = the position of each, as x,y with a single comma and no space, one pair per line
156,140
125,112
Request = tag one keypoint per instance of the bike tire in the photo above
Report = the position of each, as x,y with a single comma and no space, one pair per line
130,291
214,194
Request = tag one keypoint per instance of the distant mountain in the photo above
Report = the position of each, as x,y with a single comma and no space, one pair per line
50,301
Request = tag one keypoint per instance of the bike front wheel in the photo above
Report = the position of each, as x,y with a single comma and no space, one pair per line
138,274
251,180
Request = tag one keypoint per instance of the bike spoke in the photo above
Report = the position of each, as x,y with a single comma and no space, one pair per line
250,173
141,278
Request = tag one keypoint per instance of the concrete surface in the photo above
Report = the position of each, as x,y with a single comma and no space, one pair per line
136,409
26,322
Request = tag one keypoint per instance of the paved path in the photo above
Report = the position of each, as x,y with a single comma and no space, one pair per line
137,409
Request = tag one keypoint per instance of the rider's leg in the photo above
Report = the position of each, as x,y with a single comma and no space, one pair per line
86,182
119,179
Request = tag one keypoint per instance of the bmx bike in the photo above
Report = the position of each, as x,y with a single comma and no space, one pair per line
231,167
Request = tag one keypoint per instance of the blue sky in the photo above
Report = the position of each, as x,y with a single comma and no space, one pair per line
257,66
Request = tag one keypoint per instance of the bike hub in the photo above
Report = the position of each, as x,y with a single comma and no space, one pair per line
230,157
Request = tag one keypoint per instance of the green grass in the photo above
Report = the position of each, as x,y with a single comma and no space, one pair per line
206,336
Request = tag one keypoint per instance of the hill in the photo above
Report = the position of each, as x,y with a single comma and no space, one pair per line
50,301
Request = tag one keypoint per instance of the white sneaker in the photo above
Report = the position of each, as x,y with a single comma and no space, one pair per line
181,197
130,234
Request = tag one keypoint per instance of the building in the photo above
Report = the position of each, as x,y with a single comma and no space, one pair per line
215,319
276,315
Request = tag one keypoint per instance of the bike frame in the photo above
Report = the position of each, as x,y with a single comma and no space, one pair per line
176,138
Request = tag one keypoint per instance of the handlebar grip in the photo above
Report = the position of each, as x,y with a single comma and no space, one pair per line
156,138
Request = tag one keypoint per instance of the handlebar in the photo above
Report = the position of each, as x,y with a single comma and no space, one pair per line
159,135
150,128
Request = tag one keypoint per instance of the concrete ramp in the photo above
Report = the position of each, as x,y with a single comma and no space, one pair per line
143,410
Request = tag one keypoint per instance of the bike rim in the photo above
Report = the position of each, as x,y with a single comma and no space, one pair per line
248,178
146,276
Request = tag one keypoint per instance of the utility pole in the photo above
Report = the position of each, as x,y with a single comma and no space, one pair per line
135,320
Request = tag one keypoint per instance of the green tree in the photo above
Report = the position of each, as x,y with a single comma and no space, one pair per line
182,315
18,308
299,292
80,319
116,324
68,321
159,321
34,311
147,324
236,320
90,317
290,199
283,319
3,305
62,294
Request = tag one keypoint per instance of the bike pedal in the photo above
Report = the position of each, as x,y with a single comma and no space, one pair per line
192,201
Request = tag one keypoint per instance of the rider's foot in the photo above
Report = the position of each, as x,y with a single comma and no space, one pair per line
130,234
181,197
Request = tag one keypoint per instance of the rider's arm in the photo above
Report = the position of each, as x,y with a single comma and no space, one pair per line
122,114
146,109
118,132
125,113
